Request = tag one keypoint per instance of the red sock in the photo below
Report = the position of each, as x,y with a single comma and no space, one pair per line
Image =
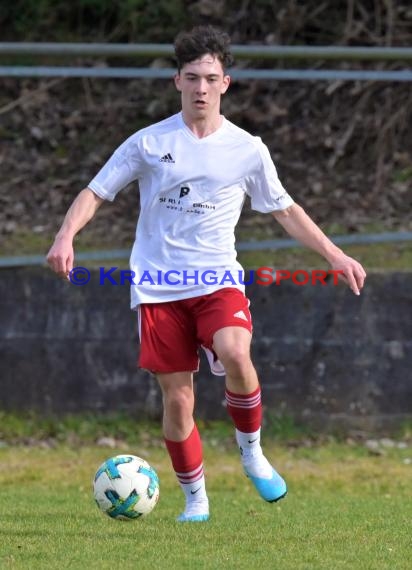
187,457
245,410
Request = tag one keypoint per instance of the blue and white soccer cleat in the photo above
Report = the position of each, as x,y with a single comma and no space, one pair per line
192,518
271,490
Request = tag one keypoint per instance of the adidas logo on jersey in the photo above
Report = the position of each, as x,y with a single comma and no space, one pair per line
167,158
240,315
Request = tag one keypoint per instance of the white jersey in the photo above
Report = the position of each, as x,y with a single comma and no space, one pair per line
191,194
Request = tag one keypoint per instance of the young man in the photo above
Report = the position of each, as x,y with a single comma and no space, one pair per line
195,170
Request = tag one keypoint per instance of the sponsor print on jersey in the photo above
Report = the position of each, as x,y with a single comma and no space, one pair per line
188,200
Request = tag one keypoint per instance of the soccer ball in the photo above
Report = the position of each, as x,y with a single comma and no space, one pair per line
126,487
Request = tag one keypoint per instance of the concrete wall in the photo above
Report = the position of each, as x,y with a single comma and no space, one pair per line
323,355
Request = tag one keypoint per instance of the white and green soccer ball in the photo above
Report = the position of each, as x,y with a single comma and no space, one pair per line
126,487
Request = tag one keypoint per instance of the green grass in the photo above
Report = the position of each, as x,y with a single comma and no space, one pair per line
345,509
82,427
374,257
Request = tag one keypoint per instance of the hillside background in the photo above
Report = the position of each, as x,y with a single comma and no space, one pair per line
342,149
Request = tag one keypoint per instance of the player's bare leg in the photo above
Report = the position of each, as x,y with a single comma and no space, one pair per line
232,346
183,443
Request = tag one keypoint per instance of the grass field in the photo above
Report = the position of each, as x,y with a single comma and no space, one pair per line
345,509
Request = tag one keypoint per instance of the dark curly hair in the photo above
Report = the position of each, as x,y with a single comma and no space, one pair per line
200,41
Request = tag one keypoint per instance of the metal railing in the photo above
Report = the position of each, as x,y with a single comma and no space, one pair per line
273,244
236,74
319,53
241,51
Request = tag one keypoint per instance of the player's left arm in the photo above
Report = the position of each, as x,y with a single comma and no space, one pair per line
302,228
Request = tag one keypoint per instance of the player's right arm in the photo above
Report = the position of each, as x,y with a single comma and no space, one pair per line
61,254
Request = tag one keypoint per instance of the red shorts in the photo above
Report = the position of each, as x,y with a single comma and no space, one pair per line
171,333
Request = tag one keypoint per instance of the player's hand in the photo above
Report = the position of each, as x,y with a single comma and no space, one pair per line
351,272
60,257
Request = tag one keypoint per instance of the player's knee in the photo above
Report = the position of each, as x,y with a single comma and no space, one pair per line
236,360
178,404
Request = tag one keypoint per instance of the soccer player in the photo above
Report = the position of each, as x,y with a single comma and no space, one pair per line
194,171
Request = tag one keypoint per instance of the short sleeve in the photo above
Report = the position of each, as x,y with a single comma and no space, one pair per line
123,167
263,185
